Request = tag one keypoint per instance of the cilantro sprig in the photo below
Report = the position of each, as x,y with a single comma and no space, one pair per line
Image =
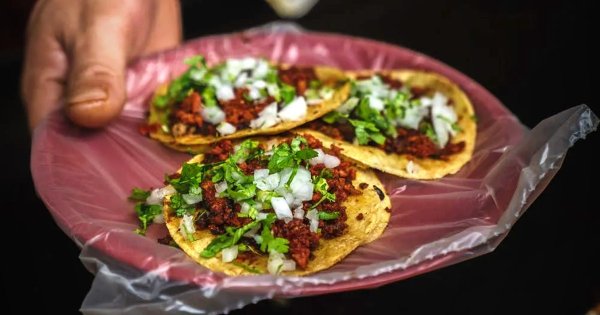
290,155
180,87
230,238
269,241
145,213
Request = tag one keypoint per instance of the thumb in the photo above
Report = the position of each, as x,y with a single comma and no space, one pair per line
95,91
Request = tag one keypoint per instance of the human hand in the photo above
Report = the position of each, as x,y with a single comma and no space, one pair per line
77,52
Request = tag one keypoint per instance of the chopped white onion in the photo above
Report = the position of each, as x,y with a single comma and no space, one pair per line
317,159
233,67
266,118
264,122
254,93
331,161
229,254
261,70
288,265
294,111
241,79
159,219
192,199
197,74
248,63
261,216
281,208
314,101
299,213
224,128
220,187
260,173
277,263
215,81
442,118
269,110
425,101
225,92
259,84
244,207
213,114
313,217
411,167
375,103
273,90
348,105
157,195
267,183
301,187
413,116
286,194
326,93
186,226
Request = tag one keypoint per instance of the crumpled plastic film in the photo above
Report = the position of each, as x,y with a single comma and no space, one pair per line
84,178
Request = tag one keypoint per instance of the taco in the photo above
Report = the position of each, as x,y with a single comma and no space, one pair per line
278,205
412,124
239,98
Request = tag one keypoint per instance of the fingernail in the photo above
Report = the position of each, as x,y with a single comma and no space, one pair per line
86,95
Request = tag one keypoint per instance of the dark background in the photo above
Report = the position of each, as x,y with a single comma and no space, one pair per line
535,56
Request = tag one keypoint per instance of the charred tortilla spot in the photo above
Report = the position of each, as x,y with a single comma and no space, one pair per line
379,192
360,216
388,209
363,185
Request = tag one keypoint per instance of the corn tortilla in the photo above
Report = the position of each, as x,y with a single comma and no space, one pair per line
398,164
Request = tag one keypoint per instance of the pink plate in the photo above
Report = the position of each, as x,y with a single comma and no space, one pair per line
84,177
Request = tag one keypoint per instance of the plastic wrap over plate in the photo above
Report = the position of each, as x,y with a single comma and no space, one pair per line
84,178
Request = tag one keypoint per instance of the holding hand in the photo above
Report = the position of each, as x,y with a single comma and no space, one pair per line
77,52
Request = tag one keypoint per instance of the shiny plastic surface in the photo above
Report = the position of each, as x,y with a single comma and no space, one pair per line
84,178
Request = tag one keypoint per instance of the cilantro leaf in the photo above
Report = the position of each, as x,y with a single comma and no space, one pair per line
290,155
178,204
271,76
296,142
138,194
241,192
232,236
322,187
146,214
366,131
217,245
328,215
191,176
305,154
366,113
269,241
287,93
282,157
427,129
209,96
195,60
333,117
278,244
180,87
246,150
